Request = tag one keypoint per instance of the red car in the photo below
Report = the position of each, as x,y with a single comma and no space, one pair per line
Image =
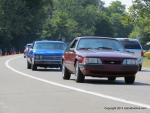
98,57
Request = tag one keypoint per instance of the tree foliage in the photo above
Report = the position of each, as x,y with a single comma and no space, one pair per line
73,18
140,14
22,21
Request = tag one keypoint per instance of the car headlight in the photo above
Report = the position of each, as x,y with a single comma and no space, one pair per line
130,61
92,61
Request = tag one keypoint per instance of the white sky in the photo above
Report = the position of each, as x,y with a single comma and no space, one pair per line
128,3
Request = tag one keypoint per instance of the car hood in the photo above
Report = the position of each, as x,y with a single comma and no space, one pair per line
100,53
49,52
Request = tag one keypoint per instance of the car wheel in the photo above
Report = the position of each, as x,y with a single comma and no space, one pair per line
130,79
34,67
65,73
28,65
140,67
79,76
111,78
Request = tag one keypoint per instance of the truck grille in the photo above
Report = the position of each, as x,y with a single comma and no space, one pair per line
51,57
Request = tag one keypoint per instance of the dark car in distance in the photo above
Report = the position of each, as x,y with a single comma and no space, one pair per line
46,54
98,57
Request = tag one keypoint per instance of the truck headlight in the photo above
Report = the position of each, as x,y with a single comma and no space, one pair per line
37,57
130,61
92,61
40,57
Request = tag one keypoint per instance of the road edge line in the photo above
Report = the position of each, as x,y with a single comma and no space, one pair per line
74,88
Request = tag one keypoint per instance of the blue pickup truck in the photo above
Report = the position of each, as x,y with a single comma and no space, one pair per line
46,54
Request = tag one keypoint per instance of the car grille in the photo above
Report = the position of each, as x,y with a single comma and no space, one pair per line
111,62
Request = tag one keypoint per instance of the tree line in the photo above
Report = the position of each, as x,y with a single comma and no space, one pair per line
23,21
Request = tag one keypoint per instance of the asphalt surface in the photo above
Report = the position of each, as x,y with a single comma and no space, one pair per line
44,91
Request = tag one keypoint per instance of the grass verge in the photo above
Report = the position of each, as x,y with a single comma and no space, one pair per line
146,63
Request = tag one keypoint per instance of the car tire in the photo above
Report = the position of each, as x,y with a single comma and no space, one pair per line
65,72
129,79
28,65
140,67
79,76
34,67
111,78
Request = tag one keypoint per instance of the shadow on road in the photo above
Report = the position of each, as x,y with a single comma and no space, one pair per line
116,82
49,69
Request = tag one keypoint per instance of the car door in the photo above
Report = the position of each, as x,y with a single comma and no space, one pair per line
70,56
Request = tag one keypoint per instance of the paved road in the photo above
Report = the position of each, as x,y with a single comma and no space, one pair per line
44,91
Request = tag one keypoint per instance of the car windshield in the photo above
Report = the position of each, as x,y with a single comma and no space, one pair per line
50,45
100,44
131,44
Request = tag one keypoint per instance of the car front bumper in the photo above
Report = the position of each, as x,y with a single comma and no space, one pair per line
108,70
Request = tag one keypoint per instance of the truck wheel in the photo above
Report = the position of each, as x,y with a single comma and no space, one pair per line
79,76
34,67
65,72
130,79
28,65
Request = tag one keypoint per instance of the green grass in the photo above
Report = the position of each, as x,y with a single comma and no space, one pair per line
146,62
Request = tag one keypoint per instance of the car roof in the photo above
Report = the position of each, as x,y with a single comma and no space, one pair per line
82,37
126,39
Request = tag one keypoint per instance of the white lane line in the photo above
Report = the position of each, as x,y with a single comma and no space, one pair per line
74,88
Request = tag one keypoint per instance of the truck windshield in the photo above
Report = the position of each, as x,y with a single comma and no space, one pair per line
49,46
131,44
